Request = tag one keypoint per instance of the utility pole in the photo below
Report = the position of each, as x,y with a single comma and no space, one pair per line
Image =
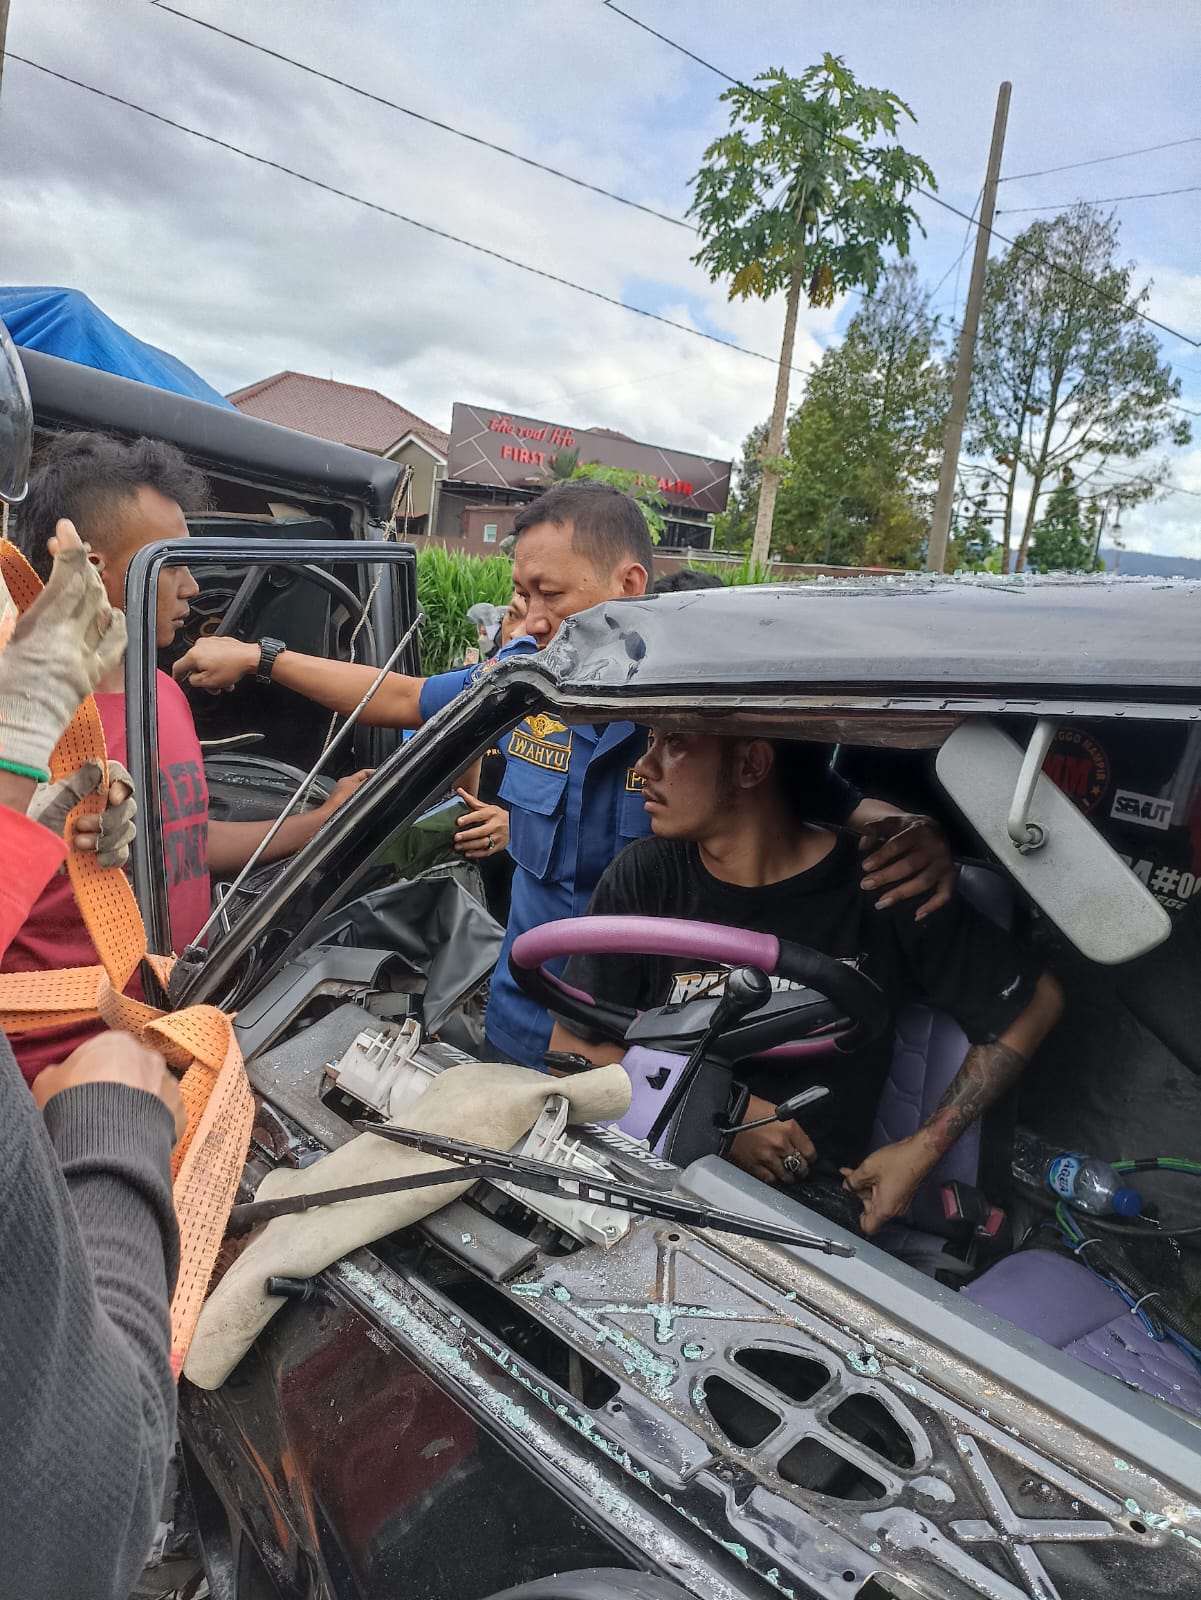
3,32
940,522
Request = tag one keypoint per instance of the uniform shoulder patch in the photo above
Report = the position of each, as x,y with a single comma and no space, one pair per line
542,726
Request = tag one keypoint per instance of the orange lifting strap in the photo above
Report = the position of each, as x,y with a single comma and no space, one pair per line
198,1042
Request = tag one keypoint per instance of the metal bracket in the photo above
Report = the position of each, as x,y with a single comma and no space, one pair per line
584,1219
1025,834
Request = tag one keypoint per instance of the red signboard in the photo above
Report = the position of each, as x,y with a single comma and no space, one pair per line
506,451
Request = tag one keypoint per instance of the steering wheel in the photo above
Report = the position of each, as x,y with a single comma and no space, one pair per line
831,1008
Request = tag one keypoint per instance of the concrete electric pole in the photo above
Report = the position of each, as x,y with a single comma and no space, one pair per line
3,32
940,522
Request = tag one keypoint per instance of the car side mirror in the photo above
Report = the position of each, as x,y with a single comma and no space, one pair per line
1037,834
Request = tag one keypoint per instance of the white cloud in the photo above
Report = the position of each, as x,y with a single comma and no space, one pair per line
241,270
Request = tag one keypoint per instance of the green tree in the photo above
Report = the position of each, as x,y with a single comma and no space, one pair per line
971,546
1067,375
1066,536
566,465
641,488
734,527
805,190
863,445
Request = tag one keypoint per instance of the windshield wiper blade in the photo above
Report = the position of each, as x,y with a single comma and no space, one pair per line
475,1162
527,1172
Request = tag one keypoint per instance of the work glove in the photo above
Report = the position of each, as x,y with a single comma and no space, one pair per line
110,833
68,641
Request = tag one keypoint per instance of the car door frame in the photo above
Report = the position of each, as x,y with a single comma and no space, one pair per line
388,604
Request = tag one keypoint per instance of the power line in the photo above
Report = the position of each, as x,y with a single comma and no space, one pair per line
1096,161
954,267
373,205
1115,477
918,188
1105,200
419,116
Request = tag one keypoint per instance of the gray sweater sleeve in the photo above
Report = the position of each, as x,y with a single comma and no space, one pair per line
88,1253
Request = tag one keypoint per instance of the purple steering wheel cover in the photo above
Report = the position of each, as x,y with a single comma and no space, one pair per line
646,936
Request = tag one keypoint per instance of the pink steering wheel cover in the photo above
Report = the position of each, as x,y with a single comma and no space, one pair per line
646,936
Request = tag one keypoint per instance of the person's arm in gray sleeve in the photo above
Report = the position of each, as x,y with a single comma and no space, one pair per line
88,1254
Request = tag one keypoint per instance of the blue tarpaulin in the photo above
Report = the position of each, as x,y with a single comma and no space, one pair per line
64,322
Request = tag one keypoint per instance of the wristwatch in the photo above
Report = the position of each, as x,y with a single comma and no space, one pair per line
269,650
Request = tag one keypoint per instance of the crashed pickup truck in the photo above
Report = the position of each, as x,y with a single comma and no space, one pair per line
660,1377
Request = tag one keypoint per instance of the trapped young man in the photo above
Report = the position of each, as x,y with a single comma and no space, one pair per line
735,843
88,1243
121,496
569,792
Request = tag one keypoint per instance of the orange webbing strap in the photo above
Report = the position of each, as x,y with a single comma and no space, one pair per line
199,1042
104,895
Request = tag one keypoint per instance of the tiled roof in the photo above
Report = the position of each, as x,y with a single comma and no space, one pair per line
342,412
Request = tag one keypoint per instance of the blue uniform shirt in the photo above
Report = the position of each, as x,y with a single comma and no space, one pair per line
444,687
574,803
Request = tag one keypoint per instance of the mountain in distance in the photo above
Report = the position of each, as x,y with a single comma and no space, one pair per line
1140,563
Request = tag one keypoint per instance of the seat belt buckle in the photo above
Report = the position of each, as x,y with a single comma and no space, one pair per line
973,1223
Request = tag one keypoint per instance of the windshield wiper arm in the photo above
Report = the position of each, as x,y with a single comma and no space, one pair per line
478,1161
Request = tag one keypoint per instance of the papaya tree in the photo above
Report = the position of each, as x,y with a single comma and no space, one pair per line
805,192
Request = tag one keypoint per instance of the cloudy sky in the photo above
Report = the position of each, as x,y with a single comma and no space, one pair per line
242,270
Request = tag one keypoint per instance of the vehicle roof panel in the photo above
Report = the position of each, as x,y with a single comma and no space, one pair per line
1095,635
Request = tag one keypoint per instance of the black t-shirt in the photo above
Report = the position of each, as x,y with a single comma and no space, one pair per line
955,959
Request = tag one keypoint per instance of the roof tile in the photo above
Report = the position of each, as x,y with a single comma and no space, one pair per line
343,412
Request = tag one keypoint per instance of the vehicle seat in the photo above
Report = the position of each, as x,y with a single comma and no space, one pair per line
1068,1306
929,1050
598,1583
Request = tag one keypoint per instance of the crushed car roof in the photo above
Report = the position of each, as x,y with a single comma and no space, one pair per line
220,439
1085,635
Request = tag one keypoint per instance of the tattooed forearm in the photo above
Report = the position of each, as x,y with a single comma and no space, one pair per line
988,1070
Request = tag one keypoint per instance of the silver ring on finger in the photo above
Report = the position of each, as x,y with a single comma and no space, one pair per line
491,842
794,1163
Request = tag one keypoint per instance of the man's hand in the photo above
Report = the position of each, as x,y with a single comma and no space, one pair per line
66,644
114,1058
763,1151
889,1178
216,665
342,791
908,856
108,833
482,830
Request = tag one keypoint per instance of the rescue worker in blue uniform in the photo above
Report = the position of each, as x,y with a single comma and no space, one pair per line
574,798
572,794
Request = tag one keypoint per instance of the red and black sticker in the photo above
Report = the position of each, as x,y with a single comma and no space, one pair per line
1078,765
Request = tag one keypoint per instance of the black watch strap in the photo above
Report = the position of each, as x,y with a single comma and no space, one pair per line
269,650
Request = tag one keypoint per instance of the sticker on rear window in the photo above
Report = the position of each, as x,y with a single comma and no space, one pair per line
1145,809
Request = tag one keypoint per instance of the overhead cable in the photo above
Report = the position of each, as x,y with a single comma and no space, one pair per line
421,116
1096,161
387,211
929,194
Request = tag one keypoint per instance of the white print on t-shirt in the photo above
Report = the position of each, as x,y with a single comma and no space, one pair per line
707,985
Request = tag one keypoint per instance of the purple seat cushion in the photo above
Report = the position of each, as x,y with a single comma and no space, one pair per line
1069,1307
929,1050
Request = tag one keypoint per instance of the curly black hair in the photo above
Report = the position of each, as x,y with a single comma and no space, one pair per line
85,476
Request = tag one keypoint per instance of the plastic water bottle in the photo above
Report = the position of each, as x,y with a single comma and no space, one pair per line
1091,1185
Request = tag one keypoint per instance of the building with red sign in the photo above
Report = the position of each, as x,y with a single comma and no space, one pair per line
499,461
364,418
468,486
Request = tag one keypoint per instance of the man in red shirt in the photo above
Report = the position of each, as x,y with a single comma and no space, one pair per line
122,496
